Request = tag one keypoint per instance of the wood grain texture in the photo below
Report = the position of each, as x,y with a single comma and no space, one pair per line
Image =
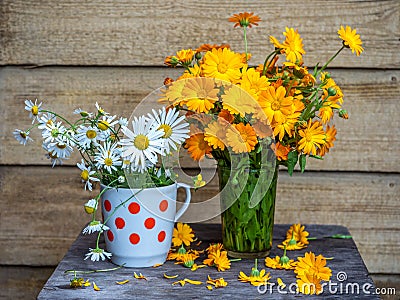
347,259
22,282
368,141
46,218
142,33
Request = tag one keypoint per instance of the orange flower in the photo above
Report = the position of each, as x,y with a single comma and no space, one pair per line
281,151
226,115
329,139
197,146
312,137
242,138
245,19
208,47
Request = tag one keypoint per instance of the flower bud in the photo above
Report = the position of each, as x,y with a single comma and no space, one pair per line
284,260
90,206
332,91
198,55
343,114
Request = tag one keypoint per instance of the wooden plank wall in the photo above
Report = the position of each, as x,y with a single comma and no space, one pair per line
73,53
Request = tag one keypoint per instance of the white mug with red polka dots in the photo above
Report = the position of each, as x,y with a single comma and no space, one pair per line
141,228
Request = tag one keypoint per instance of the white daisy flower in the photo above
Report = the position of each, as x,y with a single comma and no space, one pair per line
52,131
144,142
33,108
96,254
22,136
108,158
175,129
46,119
60,148
83,113
123,121
100,110
91,206
54,159
86,135
86,175
94,226
104,125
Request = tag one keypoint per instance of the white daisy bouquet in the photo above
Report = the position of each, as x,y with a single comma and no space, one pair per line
114,151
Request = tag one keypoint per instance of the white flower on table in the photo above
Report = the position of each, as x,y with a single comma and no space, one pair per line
96,254
95,226
86,175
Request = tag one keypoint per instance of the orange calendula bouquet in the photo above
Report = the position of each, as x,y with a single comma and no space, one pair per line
297,104
253,117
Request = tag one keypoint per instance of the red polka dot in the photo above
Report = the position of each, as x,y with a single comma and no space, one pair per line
134,238
110,235
161,236
149,223
134,208
107,205
119,223
164,205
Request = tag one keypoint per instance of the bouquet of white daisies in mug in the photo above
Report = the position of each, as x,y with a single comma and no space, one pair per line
114,153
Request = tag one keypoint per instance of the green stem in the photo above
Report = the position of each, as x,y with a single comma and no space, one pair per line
245,41
92,271
329,61
59,116
275,53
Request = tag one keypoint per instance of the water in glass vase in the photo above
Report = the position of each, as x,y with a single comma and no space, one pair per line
247,204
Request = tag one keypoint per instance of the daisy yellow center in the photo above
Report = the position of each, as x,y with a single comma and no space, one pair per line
222,68
35,110
91,134
49,122
275,105
167,130
22,134
61,146
103,125
108,162
85,175
141,142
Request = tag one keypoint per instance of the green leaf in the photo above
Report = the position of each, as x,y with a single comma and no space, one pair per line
302,162
292,161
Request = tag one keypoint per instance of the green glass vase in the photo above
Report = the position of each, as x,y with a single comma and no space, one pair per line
247,199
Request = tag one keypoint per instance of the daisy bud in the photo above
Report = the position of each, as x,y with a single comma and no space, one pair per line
121,179
90,206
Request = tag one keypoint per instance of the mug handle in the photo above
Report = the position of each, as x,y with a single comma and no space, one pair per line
185,205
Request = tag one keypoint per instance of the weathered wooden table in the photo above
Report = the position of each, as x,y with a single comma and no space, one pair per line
350,279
